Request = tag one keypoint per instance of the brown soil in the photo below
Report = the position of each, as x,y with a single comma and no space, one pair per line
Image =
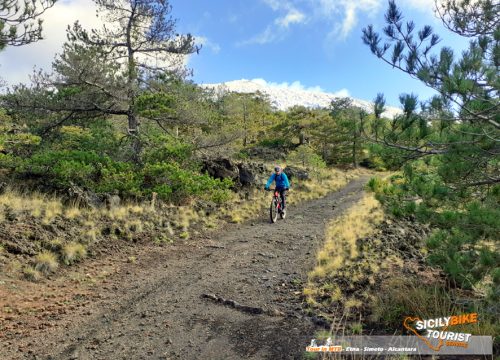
231,294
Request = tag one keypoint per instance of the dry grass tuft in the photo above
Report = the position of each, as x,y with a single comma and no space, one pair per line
73,252
134,226
46,262
340,257
31,274
340,246
55,244
72,212
34,204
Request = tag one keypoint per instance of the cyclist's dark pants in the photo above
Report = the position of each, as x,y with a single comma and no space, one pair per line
283,197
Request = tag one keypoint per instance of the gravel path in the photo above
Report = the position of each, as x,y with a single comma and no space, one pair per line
233,294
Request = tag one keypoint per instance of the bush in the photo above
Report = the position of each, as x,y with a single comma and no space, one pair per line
172,182
61,167
14,140
463,244
164,148
99,137
92,158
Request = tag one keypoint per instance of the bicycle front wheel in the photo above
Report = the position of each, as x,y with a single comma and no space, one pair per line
283,214
273,211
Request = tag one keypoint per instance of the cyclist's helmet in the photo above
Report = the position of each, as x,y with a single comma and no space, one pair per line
277,169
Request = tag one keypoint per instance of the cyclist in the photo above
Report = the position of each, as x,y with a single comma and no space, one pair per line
282,184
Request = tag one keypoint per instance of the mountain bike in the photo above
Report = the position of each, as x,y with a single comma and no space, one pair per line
276,206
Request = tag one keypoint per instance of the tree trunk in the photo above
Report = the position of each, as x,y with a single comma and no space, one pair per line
354,160
245,125
302,138
132,123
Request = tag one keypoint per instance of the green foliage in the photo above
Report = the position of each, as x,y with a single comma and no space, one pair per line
15,140
171,181
165,148
306,156
464,243
450,147
98,136
246,115
383,158
154,105
62,168
122,177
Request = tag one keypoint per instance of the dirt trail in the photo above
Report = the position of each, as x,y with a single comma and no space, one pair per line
158,310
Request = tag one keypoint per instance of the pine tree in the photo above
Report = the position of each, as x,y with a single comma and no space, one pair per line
20,22
468,87
453,140
141,36
103,72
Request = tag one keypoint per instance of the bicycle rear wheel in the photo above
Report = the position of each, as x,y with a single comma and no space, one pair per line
273,211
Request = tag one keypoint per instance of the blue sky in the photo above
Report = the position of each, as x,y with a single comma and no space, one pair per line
315,42
307,43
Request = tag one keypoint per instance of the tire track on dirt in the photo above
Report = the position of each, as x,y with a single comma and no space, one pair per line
161,313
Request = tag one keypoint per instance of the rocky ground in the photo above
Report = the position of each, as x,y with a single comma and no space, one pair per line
232,294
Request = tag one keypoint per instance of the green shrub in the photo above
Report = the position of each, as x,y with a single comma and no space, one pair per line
16,140
122,177
172,182
164,148
98,136
463,244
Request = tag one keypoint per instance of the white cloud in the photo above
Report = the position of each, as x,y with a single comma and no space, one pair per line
17,63
281,25
342,93
275,4
292,17
343,15
265,37
285,95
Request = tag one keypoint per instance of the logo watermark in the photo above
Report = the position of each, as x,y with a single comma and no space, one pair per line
437,333
397,345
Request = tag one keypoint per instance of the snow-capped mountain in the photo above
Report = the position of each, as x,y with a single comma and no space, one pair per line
284,96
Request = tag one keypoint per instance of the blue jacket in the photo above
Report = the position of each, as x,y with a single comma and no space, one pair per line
281,181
